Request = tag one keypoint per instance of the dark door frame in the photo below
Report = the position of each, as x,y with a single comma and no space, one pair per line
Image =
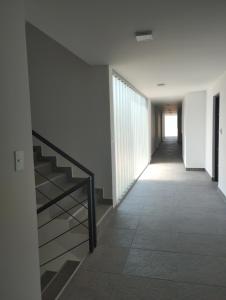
216,128
161,126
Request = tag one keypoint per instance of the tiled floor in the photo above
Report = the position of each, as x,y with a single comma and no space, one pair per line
166,241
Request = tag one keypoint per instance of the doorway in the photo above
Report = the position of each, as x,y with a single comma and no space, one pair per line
170,126
216,119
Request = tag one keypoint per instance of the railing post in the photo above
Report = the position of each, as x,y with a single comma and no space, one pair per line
90,216
94,210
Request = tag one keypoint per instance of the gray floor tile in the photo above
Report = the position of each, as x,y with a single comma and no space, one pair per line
130,287
117,237
202,244
200,292
107,259
155,240
200,224
176,266
165,241
132,209
123,221
151,264
155,222
94,286
88,285
201,269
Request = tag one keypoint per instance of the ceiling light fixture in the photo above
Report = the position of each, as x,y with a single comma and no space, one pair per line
142,36
161,84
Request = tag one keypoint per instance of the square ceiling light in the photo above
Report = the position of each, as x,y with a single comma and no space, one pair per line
143,36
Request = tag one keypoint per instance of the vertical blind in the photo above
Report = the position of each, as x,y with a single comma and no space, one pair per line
131,135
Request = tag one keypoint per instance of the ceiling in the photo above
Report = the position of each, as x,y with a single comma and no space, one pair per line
188,51
169,108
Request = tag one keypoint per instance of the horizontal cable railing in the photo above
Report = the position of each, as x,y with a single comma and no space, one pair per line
61,214
61,196
57,202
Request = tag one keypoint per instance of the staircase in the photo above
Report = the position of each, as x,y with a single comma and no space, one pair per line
70,213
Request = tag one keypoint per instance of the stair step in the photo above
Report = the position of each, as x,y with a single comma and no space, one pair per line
36,152
101,212
60,280
44,167
40,180
37,148
46,278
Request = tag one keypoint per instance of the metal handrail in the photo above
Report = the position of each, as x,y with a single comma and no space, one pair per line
62,153
90,190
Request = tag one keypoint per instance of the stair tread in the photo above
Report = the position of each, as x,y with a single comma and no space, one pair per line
46,278
60,279
40,163
36,148
39,180
101,211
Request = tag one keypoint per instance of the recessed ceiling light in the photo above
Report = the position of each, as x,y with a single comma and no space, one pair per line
142,36
161,84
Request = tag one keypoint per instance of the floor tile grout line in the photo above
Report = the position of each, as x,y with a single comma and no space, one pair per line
155,278
178,252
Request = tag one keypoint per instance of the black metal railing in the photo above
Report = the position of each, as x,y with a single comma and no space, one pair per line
89,204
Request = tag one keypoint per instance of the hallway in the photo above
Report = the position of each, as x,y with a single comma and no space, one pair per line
166,241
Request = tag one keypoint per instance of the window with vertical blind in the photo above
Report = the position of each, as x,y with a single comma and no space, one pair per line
131,136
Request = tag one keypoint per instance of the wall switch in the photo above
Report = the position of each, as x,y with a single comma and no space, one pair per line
19,160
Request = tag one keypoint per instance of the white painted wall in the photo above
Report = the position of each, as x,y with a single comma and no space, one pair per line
194,129
131,135
70,104
219,87
19,270
155,127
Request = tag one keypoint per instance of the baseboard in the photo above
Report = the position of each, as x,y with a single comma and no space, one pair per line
209,176
195,169
222,195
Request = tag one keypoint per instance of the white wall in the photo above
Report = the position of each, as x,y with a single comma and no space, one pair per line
155,127
219,87
131,135
70,104
19,270
194,129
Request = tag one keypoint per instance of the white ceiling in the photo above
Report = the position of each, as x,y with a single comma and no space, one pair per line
188,51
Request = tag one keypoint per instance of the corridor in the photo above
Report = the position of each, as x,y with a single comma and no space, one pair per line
166,241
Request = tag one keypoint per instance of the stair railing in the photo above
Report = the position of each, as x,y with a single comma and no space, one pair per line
89,183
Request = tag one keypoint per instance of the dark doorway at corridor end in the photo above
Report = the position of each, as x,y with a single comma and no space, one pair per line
166,124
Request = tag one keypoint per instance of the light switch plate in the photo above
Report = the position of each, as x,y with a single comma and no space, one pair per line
19,160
